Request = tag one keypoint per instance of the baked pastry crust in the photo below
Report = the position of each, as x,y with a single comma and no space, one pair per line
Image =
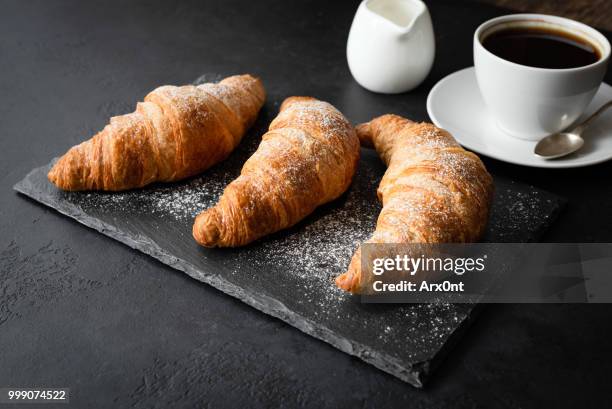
433,191
175,133
307,158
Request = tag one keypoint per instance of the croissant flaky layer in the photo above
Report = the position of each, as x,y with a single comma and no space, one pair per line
433,191
307,158
175,133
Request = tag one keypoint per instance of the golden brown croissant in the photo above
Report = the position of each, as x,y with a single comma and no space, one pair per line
175,133
433,191
307,158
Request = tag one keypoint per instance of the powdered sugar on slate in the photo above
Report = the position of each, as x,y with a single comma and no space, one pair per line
311,254
294,269
181,201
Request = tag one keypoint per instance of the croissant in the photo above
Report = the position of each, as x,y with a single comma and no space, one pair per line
175,133
433,191
307,158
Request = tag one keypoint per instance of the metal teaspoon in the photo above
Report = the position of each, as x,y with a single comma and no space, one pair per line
563,143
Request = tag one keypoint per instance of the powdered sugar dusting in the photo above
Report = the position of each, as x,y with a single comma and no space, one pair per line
181,201
317,249
295,269
304,114
304,260
323,246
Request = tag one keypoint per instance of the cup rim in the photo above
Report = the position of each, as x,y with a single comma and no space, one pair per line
589,32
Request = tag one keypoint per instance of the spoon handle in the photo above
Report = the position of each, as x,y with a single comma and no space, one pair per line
582,126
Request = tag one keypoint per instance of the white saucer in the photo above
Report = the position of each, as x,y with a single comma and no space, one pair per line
455,104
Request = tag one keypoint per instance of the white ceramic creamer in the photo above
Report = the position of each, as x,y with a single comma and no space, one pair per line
391,45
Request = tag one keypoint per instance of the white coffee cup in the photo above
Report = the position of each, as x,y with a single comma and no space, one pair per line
531,102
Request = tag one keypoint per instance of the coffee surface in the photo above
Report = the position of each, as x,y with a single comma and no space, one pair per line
541,47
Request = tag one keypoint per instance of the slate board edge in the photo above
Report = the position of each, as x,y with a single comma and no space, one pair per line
414,374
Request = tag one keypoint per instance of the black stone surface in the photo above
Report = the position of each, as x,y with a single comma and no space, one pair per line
290,275
78,309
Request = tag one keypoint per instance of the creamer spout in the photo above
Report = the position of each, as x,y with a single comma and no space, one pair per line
402,14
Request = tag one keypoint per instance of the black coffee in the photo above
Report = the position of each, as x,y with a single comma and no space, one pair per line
541,47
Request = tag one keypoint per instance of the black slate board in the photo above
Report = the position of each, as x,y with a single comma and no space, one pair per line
290,274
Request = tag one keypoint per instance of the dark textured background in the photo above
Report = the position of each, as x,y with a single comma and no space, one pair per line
68,294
